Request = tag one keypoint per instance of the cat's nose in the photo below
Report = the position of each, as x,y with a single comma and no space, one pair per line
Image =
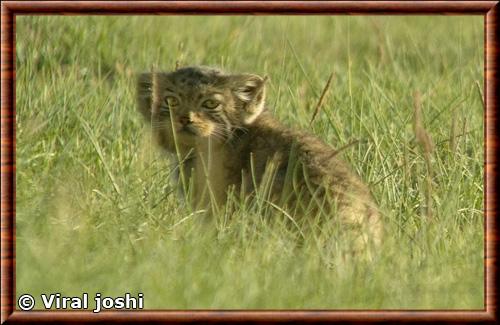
184,120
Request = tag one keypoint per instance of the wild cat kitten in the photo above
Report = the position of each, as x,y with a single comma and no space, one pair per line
217,125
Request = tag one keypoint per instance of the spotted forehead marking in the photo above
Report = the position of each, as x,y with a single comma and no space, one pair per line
189,90
194,82
196,76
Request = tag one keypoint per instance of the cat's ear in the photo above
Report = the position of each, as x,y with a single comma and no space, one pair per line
145,94
250,90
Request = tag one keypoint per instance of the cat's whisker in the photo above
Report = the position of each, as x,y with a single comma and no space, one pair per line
218,134
233,135
160,126
238,128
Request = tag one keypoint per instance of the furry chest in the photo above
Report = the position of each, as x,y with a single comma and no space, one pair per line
210,175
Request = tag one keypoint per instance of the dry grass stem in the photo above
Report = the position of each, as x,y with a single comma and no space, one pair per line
321,98
425,141
478,87
350,144
453,132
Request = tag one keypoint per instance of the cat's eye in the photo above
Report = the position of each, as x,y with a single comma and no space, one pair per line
171,101
210,104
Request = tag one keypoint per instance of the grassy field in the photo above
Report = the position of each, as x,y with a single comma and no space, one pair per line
96,213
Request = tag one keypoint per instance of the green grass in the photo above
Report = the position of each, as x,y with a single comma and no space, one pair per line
95,211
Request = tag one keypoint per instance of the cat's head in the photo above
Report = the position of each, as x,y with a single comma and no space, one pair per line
200,101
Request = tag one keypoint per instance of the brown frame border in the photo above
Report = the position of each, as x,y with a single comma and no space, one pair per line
9,9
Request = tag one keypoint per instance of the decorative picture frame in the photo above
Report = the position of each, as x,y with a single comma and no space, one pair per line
11,9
